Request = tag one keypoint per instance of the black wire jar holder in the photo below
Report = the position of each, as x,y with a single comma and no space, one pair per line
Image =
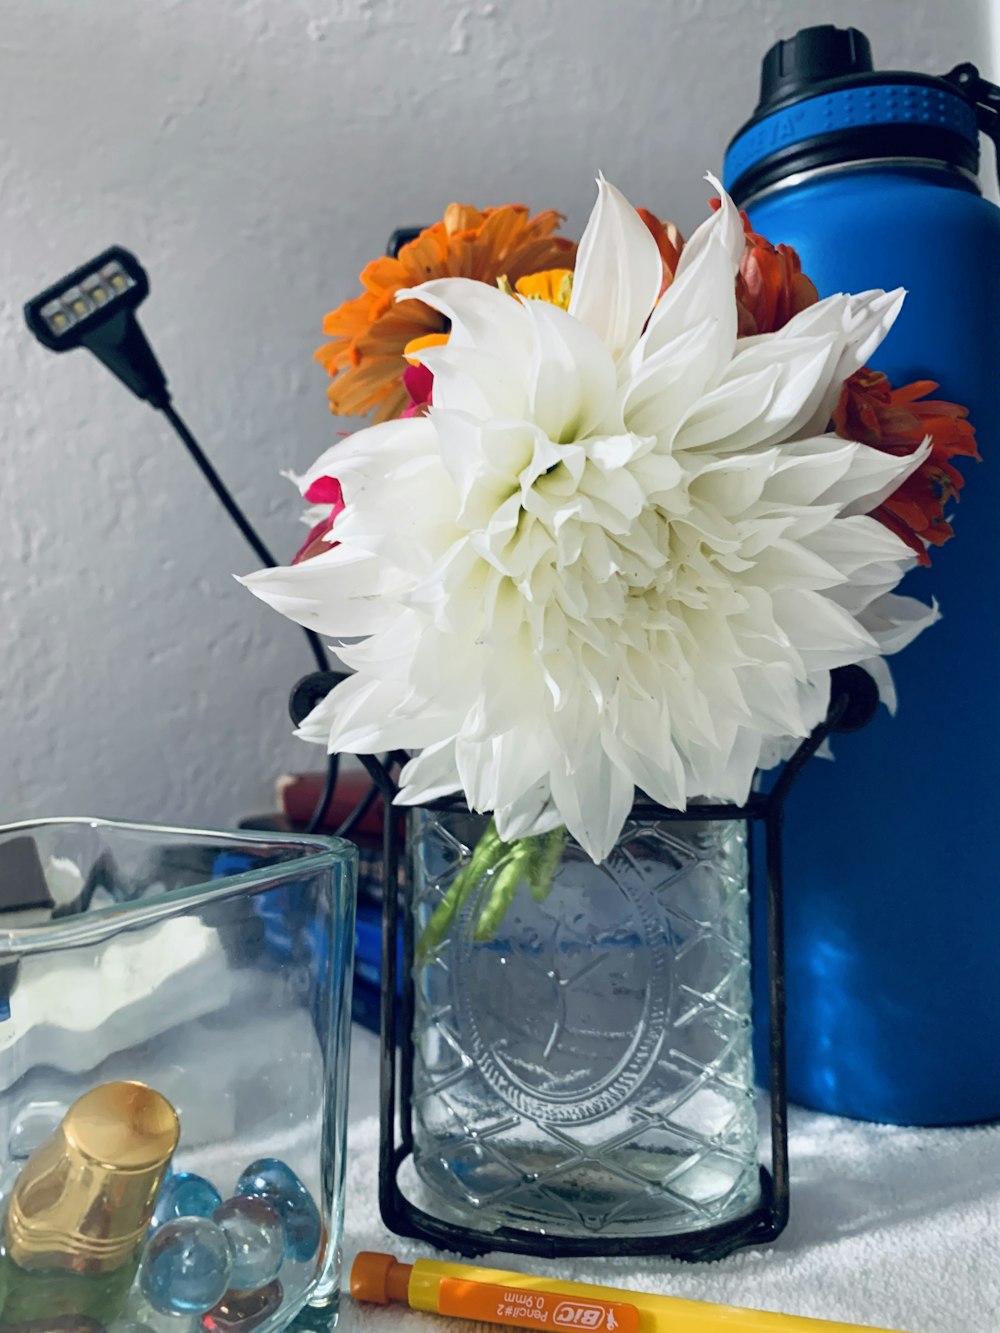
854,699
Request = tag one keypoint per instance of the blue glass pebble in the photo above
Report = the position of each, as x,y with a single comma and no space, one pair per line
185,1195
272,1180
185,1267
256,1240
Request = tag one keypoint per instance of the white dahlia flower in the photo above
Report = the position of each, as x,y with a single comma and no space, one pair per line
621,550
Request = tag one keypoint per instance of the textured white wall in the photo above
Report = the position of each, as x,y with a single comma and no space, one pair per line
255,153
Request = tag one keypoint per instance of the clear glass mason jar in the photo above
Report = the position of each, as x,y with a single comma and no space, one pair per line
174,1032
588,1069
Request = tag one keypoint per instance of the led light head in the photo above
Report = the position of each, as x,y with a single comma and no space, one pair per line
86,298
94,307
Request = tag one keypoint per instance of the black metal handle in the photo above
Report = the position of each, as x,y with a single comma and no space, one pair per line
984,98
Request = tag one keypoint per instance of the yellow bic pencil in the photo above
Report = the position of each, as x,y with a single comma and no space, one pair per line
523,1301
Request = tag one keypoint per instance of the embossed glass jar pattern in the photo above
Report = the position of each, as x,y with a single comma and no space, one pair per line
588,1070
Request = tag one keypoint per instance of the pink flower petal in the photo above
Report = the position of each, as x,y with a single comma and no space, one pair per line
418,382
326,491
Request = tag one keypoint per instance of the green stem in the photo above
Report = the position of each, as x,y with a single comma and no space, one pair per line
505,865
436,929
506,879
548,854
488,850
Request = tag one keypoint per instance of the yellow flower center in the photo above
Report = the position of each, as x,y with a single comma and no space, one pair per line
554,285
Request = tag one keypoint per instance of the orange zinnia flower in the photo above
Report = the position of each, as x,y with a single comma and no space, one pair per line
771,286
893,420
365,356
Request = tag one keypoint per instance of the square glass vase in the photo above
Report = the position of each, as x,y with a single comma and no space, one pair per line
174,1036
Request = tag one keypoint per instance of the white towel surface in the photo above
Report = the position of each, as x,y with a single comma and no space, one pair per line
894,1228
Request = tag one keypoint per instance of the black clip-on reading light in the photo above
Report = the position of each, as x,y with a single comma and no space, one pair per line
95,307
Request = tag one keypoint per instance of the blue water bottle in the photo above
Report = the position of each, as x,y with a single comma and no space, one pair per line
893,850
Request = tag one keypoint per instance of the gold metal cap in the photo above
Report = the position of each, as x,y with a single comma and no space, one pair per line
86,1195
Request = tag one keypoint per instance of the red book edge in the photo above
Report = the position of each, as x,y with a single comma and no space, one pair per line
298,795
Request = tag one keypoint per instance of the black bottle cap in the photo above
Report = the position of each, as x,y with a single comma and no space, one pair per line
823,104
812,56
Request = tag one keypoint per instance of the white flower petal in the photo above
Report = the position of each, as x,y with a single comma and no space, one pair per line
301,592
669,381
414,518
481,317
723,227
467,379
703,284
877,478
856,543
594,800
825,635
878,669
618,272
894,622
429,775
866,319
719,417
640,742
800,370
482,458
532,813
870,478
701,292
810,470
573,376
394,441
